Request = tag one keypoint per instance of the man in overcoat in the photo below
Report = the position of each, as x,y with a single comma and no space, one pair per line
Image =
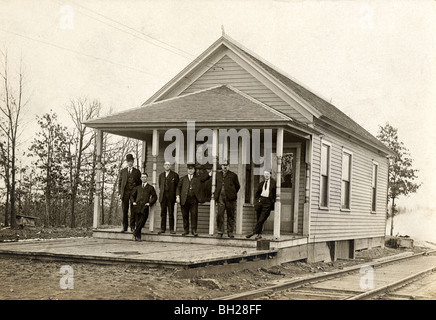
143,197
265,198
129,178
226,193
188,194
168,181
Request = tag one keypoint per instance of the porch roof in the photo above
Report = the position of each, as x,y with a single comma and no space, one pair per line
221,104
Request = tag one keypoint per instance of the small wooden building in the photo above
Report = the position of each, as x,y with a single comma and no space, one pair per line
331,173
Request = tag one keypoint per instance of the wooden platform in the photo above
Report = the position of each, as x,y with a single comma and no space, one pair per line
285,241
145,252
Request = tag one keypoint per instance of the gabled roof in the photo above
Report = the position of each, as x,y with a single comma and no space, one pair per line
216,104
316,105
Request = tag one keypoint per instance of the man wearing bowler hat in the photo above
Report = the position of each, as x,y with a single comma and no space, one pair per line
226,193
168,181
129,178
188,195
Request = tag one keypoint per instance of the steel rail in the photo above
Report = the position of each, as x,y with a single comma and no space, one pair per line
300,282
390,286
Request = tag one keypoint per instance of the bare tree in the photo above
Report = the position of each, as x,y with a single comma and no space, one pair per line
11,107
81,110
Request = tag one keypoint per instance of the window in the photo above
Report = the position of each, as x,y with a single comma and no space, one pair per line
325,172
346,180
374,187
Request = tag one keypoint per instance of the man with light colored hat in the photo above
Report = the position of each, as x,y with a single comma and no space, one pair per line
168,181
226,193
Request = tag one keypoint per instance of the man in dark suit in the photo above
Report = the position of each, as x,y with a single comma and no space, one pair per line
142,198
129,178
188,195
264,202
226,193
168,181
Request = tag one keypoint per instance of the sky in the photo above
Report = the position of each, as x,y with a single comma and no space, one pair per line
374,60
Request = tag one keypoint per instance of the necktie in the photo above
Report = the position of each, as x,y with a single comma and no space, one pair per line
265,185
143,185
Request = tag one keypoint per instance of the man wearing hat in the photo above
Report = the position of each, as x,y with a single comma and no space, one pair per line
130,177
168,181
226,193
188,195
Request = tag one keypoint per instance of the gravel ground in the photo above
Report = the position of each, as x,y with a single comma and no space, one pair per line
32,279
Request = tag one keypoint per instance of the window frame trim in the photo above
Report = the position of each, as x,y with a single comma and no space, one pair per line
351,154
329,144
374,163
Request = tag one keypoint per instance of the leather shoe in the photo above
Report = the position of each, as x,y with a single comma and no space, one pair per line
259,236
172,232
195,234
248,236
231,235
184,233
220,235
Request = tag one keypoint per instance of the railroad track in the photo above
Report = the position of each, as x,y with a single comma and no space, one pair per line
378,280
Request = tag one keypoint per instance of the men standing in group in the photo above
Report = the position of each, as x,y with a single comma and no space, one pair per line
188,195
142,198
264,202
168,181
129,178
226,194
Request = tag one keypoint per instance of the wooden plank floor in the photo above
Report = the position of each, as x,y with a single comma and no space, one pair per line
160,253
286,240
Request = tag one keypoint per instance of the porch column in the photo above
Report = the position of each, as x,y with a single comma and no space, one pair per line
144,156
98,179
241,194
308,184
214,168
278,205
154,154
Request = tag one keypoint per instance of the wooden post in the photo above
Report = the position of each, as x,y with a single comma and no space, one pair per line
214,169
144,157
241,193
278,206
308,160
98,177
297,187
154,154
176,169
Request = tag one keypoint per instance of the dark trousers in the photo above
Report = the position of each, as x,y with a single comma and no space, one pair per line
263,209
126,206
141,219
167,205
190,206
230,208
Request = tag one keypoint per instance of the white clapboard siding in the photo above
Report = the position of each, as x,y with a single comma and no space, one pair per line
227,71
359,221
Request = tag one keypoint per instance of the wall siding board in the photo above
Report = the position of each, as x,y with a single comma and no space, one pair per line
227,71
358,222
